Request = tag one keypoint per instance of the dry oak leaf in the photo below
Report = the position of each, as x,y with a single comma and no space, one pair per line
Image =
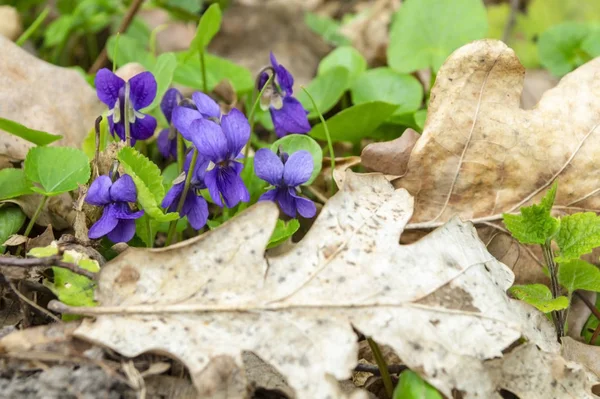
440,303
481,155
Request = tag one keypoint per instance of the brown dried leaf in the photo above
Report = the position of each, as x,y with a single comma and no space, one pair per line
481,155
57,212
390,157
213,297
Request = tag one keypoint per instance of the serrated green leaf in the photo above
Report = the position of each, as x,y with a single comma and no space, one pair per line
36,137
56,170
560,47
13,183
534,225
579,275
148,182
295,142
283,231
145,229
11,221
355,123
209,25
163,71
385,84
412,386
425,32
579,234
539,296
326,90
347,57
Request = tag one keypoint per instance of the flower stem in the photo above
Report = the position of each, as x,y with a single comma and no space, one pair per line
383,368
186,187
203,68
33,27
126,116
329,142
180,150
557,316
150,235
36,214
252,115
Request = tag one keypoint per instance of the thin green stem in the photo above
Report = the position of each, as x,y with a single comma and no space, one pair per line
33,27
252,116
329,142
225,213
180,149
186,187
36,214
115,53
126,116
150,235
383,368
557,316
203,68
153,35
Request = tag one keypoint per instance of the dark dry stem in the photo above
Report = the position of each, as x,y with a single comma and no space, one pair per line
186,187
557,316
369,368
49,261
594,311
383,368
127,19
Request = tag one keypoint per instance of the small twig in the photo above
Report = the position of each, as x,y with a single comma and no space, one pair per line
31,303
512,18
373,369
127,19
594,311
55,260
382,366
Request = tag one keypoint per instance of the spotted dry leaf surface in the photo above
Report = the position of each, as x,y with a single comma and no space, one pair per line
480,154
440,303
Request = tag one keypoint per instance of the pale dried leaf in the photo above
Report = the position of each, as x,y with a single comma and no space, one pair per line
215,296
42,96
481,155
57,212
587,355
579,313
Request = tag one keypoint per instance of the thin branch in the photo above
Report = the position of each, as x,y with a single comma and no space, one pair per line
31,303
55,260
127,19
373,369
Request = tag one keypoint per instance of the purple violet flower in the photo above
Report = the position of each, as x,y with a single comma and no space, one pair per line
194,206
287,113
118,220
167,138
219,139
111,91
286,173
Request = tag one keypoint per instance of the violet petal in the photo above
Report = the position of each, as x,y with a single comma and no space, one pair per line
107,86
105,224
144,128
291,118
206,105
232,187
236,129
182,119
123,232
99,192
196,210
210,142
298,168
123,189
169,101
268,166
142,90
306,208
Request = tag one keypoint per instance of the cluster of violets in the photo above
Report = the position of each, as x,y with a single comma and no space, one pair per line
214,158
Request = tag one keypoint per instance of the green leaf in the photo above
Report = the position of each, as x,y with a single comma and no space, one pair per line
89,142
543,14
591,44
145,229
355,123
539,296
420,118
534,225
326,89
58,30
169,174
256,186
163,71
347,57
56,170
188,73
70,288
209,25
148,181
412,386
129,50
283,231
295,142
579,234
560,47
36,137
327,28
425,32
11,221
579,275
13,183
385,84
